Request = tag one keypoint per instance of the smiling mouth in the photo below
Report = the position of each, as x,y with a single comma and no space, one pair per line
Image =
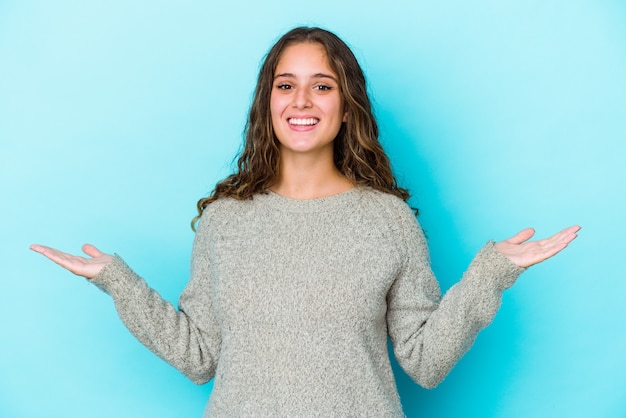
303,122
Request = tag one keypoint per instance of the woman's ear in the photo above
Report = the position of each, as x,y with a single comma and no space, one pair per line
345,117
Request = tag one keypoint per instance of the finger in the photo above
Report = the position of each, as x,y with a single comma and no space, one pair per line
555,244
37,248
565,236
91,251
520,237
554,250
49,252
571,230
59,257
41,249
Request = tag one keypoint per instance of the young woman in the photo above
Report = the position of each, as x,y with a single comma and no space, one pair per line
308,258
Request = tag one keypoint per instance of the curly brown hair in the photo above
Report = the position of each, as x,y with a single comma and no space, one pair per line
358,154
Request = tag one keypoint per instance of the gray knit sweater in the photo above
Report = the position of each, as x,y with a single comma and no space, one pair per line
290,304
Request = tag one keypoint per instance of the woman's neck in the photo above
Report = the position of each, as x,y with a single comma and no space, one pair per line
306,178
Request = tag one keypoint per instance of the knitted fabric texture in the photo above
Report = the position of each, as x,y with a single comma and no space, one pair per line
291,302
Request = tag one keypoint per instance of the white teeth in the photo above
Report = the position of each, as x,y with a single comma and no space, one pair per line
303,122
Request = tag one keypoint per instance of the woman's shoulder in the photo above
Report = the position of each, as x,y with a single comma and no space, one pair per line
392,214
388,211
388,202
222,210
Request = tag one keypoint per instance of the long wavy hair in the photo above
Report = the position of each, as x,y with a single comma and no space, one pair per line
358,154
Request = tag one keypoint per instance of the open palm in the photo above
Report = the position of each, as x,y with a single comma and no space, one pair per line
525,254
81,266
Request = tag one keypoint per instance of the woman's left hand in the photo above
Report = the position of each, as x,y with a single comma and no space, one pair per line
525,254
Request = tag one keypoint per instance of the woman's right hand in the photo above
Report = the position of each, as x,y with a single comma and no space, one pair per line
80,266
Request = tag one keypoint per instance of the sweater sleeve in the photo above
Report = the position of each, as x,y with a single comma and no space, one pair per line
188,338
430,333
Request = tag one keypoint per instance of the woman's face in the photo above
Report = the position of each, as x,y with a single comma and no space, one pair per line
305,103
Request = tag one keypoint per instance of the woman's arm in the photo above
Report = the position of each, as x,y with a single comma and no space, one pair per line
188,338
430,333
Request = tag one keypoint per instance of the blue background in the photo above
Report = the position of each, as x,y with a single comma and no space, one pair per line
116,116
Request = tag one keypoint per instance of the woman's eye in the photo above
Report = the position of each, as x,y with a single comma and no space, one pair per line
283,86
323,87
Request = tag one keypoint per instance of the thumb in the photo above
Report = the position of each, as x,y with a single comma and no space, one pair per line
91,251
523,235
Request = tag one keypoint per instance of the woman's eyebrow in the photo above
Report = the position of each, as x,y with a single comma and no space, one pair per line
316,75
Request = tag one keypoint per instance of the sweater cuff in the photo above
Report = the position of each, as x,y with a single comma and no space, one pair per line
116,278
500,272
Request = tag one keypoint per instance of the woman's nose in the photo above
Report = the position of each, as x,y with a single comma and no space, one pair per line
302,98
